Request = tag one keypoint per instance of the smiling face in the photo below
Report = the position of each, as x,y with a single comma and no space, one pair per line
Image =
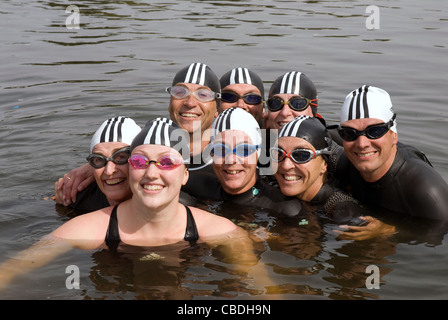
191,114
113,178
300,180
154,187
371,157
236,174
256,110
277,119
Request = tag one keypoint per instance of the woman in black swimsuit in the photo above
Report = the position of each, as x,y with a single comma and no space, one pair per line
152,217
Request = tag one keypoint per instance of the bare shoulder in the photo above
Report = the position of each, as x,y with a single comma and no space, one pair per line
210,224
87,228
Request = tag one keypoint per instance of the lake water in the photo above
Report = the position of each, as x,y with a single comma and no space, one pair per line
58,84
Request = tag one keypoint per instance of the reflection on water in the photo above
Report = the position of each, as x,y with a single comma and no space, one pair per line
59,84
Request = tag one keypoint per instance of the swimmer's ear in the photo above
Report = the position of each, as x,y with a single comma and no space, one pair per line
324,167
395,137
186,176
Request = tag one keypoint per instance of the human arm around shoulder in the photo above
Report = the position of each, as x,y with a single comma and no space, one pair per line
71,183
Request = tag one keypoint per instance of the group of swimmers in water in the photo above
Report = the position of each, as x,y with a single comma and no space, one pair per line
140,184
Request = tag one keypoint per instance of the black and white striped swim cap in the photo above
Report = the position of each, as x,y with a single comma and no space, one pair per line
242,76
237,119
163,131
198,73
117,129
368,102
295,82
310,129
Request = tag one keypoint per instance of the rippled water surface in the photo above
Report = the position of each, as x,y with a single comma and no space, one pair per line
58,84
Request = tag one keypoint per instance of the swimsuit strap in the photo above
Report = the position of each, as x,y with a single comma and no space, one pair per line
191,232
112,234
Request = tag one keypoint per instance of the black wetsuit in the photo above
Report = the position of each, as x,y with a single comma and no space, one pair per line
335,205
411,186
113,236
261,195
90,199
198,164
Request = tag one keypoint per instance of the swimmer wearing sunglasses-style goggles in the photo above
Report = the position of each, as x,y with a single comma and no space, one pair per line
295,103
374,131
248,98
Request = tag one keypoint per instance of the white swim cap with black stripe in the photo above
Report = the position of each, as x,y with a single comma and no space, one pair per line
309,129
242,76
237,119
164,132
117,129
368,102
198,73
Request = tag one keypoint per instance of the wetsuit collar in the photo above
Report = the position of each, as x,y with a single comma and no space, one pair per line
322,195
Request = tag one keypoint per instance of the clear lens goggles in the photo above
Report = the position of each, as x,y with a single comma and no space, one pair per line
203,95
295,103
249,98
120,156
296,155
165,162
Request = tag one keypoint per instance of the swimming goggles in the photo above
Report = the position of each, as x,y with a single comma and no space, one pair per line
167,162
249,98
242,150
374,131
296,155
203,95
295,103
120,156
